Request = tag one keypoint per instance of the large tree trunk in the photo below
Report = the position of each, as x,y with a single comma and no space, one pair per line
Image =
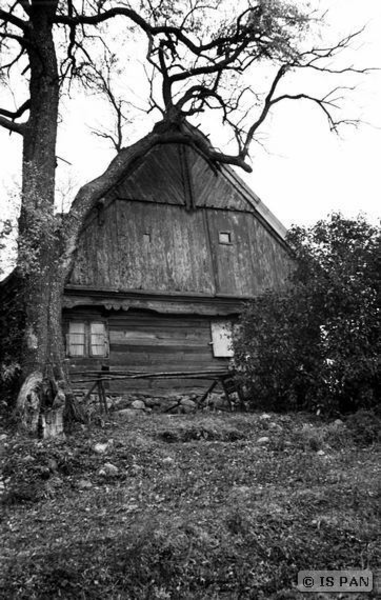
42,279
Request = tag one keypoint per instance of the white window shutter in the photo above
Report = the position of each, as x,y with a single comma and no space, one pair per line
222,338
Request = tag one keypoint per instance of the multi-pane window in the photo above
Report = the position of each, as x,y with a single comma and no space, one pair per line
98,341
76,339
87,338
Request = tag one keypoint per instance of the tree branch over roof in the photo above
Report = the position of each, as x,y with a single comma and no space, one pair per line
195,58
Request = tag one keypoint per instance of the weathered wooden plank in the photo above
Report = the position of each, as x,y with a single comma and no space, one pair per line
165,322
253,261
136,338
211,189
155,179
163,248
172,349
167,361
160,387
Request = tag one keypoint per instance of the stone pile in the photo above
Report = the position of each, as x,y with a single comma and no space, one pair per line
145,404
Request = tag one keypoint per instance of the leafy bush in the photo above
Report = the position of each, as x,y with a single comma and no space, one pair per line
317,344
365,427
12,326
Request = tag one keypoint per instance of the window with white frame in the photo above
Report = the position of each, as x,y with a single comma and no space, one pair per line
87,339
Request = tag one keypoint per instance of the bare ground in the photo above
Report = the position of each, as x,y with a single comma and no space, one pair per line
189,507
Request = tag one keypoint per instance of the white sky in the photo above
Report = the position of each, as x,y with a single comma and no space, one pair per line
306,171
311,172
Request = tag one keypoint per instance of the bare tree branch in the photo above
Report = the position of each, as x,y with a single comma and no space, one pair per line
17,113
265,110
8,17
12,126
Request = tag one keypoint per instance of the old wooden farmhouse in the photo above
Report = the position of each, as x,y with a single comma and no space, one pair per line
164,264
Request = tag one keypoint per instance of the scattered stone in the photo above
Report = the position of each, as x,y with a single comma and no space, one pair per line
3,437
320,453
264,417
84,484
188,405
138,405
263,440
28,458
130,507
188,402
152,402
241,489
128,412
109,469
338,423
52,465
100,448
275,426
168,461
307,427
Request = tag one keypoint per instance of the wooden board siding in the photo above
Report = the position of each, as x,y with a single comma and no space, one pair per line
143,340
98,256
253,262
158,232
145,246
164,248
157,178
211,188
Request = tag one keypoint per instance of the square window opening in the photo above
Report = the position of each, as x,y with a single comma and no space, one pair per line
225,237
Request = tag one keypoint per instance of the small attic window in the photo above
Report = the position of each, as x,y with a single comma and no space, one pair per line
225,237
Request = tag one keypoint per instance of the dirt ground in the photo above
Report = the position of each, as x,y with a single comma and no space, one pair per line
208,506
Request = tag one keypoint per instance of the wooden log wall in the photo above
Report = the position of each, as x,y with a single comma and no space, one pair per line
160,342
148,342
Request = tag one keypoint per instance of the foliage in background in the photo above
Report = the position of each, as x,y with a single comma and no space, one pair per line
12,320
317,345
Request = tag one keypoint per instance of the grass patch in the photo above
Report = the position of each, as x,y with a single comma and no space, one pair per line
198,507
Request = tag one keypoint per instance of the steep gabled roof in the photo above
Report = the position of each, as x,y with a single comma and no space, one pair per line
176,173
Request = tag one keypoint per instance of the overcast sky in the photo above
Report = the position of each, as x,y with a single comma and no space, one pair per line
312,172
305,172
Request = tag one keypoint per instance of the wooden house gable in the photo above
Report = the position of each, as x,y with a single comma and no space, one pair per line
180,174
178,225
